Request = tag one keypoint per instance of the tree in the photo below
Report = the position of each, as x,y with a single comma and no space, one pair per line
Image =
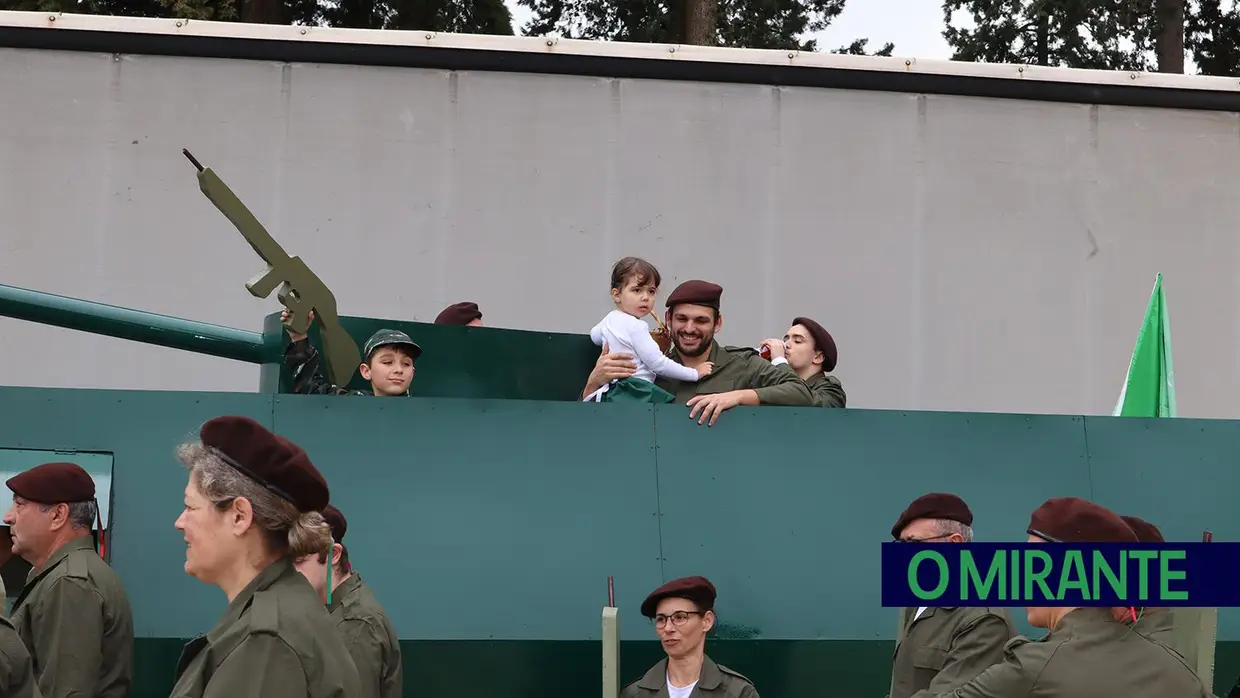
1213,37
464,16
770,24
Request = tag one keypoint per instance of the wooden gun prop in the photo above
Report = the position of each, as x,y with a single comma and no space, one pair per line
301,290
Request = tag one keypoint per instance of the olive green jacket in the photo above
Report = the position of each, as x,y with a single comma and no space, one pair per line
827,390
715,681
740,368
368,634
1158,624
17,679
275,640
946,648
74,617
1090,655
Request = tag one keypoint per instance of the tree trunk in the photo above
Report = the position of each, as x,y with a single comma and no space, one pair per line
700,22
1170,42
262,11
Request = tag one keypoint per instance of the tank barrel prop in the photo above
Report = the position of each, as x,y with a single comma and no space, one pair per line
611,644
134,325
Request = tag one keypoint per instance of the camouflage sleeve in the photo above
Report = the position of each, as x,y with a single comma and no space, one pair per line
262,666
365,646
776,385
306,366
67,626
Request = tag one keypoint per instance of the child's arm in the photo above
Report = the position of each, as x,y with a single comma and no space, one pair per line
306,367
596,334
652,357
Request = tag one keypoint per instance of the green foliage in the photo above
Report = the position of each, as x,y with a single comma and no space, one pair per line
769,24
1213,38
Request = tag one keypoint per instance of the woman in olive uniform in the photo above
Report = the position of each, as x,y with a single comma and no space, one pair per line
683,612
251,507
1089,652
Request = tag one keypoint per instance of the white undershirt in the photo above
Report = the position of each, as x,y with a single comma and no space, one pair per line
678,692
920,611
629,335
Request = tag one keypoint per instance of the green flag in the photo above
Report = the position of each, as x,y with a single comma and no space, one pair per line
1149,388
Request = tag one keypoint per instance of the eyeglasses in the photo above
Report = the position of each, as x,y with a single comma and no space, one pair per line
678,618
927,539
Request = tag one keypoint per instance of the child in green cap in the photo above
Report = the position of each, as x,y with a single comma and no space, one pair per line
388,365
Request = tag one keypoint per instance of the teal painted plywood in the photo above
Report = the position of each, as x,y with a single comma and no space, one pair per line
1181,475
489,519
142,431
784,508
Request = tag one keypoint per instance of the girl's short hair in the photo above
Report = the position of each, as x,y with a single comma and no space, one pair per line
640,270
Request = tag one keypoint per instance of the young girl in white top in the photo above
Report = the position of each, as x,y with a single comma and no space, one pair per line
634,285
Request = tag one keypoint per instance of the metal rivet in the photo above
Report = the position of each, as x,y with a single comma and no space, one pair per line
180,23
303,31
430,36
671,49
51,18
1020,69
550,42
791,54
908,63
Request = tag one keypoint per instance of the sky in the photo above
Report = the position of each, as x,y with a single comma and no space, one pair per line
914,26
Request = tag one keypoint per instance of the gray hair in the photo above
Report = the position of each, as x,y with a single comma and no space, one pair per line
947,527
81,514
285,529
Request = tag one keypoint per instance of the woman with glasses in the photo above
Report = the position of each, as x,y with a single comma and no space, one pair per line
683,612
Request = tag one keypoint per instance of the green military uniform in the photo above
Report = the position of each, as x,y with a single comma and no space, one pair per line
17,678
1089,655
827,390
716,681
946,648
740,368
274,641
1158,624
370,638
74,617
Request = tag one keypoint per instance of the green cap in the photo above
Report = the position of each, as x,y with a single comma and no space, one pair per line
385,337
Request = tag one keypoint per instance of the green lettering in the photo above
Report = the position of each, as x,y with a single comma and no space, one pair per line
1166,575
943,575
1073,563
1143,579
1102,568
970,576
1039,577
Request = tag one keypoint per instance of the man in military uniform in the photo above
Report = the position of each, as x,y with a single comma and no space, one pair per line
809,351
359,618
943,648
1154,623
73,614
465,313
740,377
1089,651
683,612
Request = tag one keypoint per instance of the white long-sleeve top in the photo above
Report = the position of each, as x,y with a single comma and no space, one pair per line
629,335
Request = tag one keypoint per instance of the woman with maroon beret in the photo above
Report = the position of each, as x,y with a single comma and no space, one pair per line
683,612
251,507
1155,623
1089,652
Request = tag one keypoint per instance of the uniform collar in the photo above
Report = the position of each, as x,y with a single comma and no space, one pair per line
72,545
266,579
346,587
708,680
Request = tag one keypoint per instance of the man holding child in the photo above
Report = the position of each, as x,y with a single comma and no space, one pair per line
740,376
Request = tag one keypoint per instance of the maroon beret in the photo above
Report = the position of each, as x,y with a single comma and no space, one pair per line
337,521
699,590
54,483
823,342
1146,531
1074,520
268,459
695,292
459,314
936,505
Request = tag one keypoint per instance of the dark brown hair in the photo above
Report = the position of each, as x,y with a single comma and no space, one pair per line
634,267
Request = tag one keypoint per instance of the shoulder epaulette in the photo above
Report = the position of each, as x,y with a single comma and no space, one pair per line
76,566
737,674
265,613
